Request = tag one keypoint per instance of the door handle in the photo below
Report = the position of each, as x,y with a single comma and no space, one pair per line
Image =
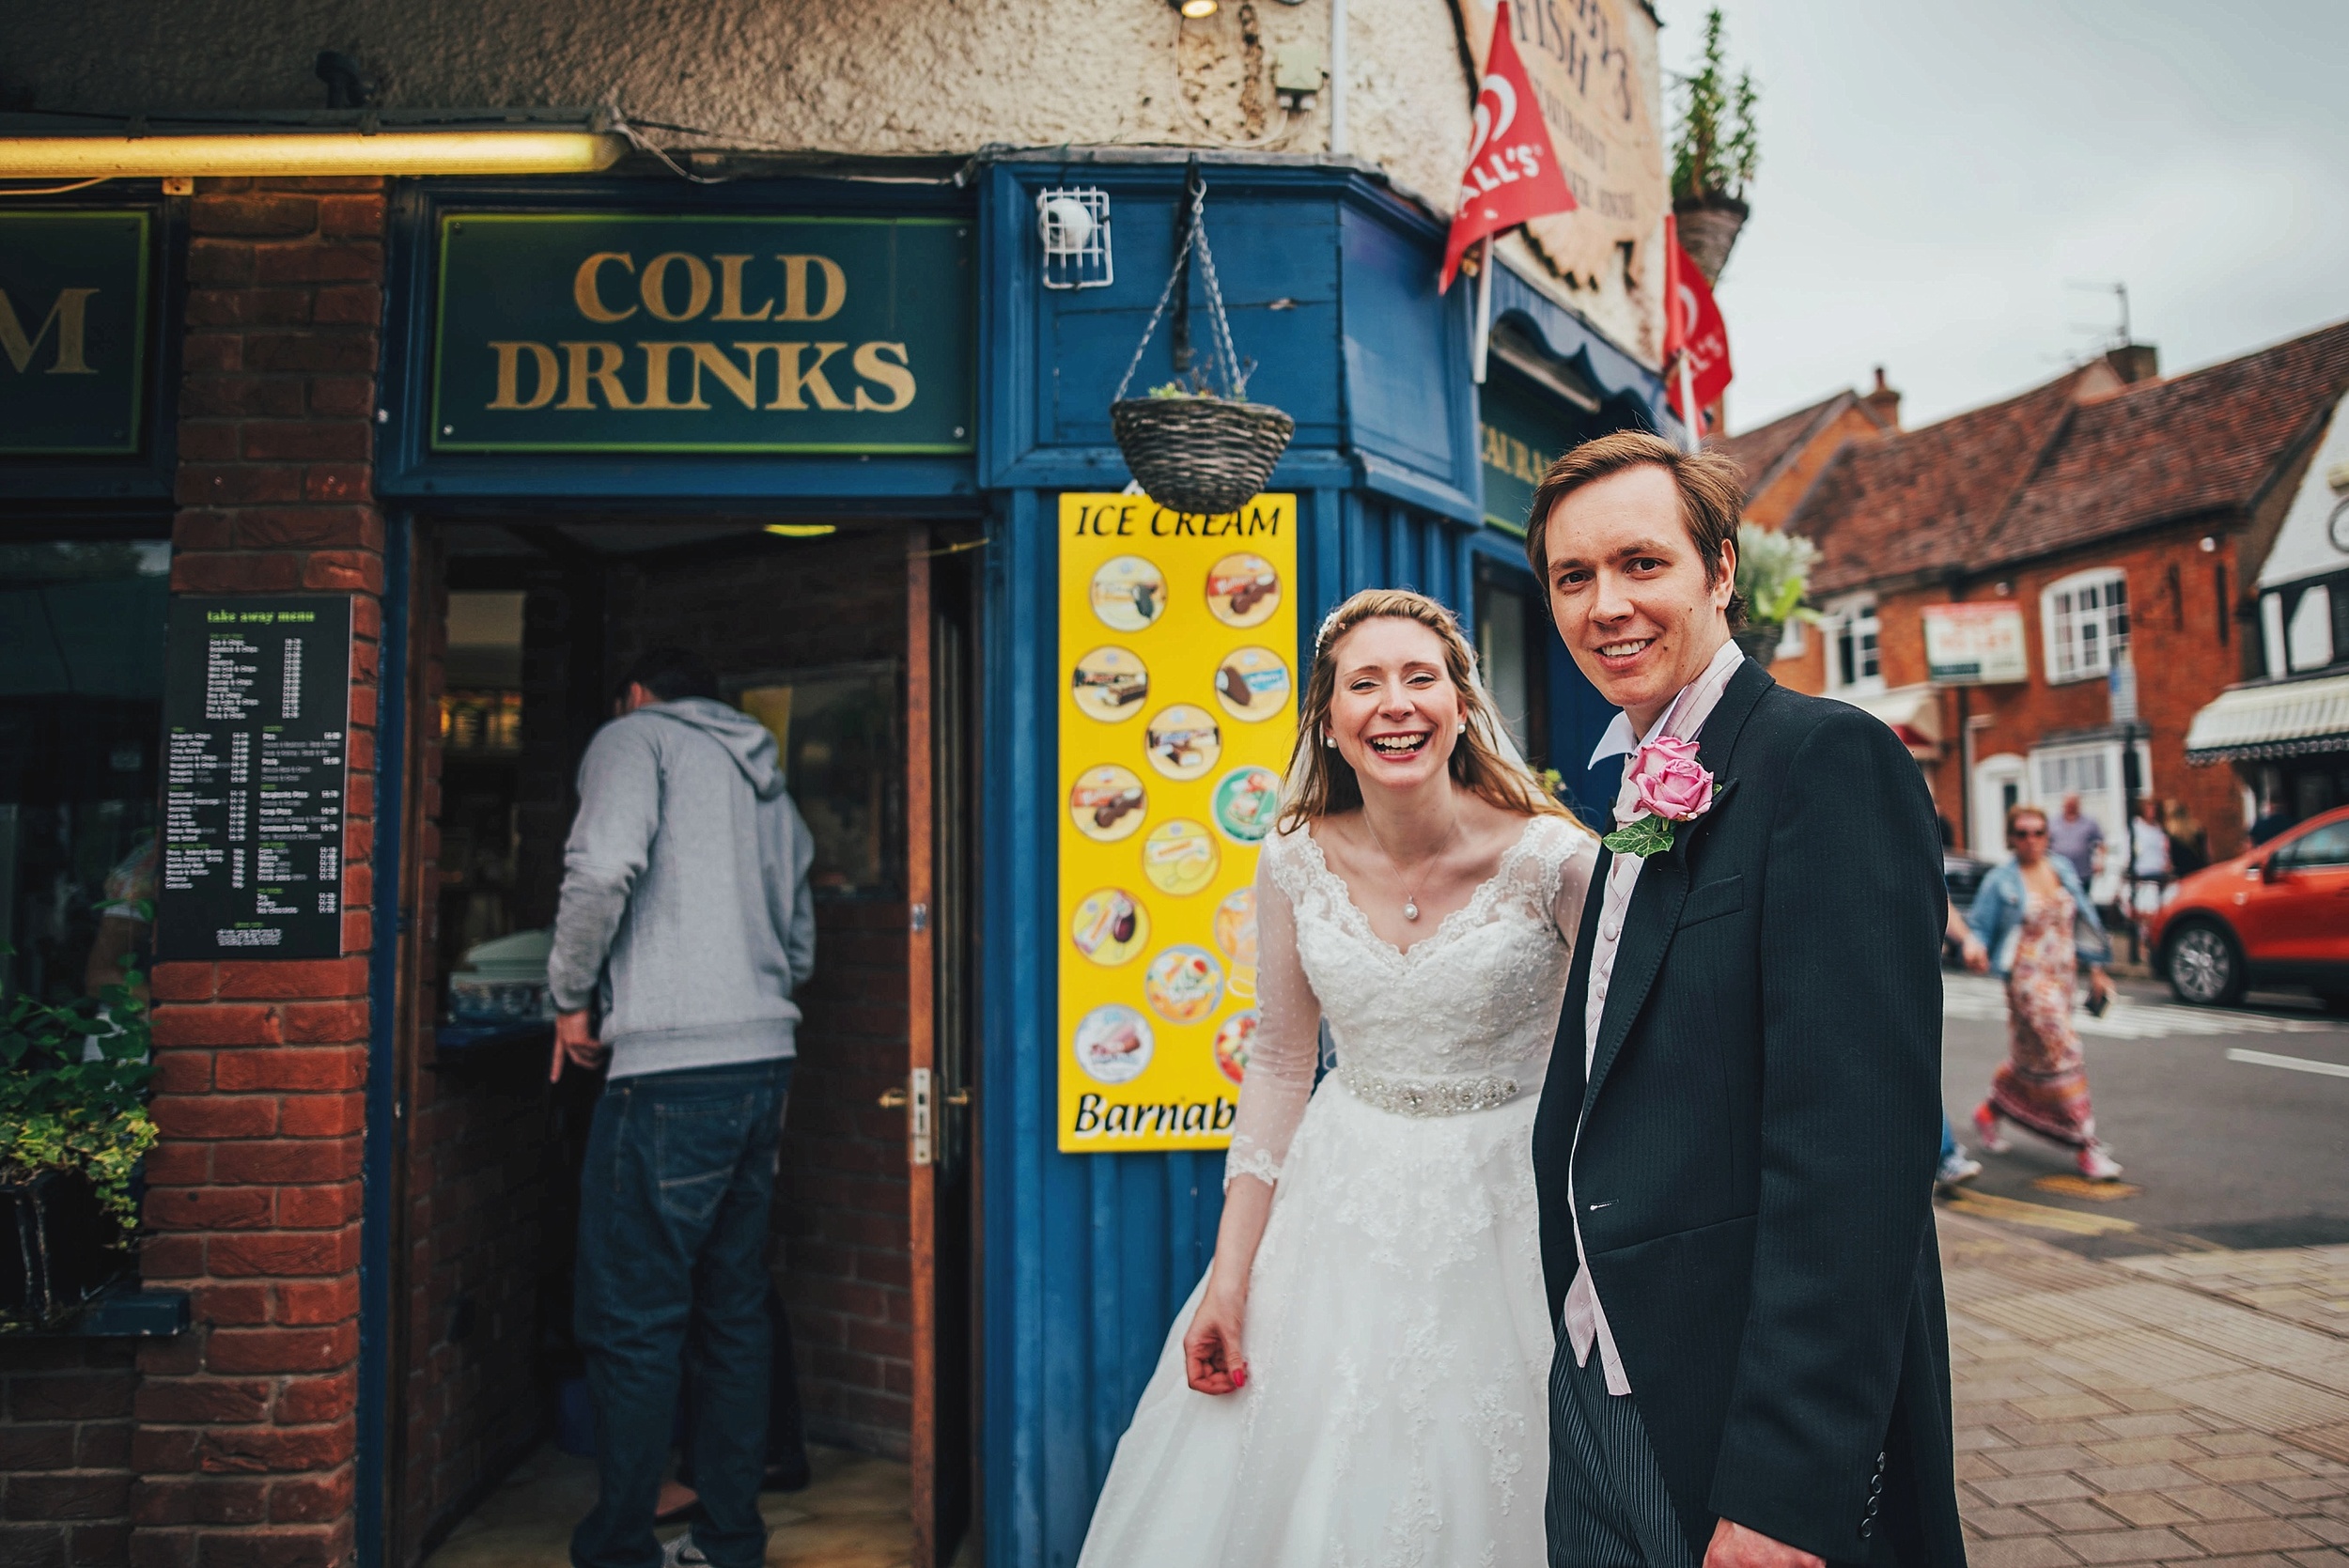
962,1096
914,1100
894,1099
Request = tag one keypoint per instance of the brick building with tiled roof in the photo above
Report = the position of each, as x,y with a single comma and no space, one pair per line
2109,516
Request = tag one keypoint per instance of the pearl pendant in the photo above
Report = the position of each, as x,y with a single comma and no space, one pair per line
1410,910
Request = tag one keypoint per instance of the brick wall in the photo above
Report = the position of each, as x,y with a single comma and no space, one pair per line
1770,506
2185,643
246,1427
65,1453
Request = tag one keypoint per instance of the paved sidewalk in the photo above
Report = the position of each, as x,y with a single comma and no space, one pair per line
2142,1411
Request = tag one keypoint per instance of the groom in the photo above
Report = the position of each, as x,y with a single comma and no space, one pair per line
1737,1143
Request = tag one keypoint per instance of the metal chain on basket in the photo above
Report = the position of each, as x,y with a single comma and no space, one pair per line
1234,379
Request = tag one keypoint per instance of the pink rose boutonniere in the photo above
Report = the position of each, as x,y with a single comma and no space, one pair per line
1669,787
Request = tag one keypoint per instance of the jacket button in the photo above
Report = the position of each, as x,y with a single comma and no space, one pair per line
1867,1528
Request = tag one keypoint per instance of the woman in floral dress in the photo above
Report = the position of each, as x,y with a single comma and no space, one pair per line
2037,928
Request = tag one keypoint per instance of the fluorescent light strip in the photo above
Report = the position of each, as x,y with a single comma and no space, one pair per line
296,153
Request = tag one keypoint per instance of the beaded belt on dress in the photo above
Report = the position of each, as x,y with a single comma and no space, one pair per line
1428,1096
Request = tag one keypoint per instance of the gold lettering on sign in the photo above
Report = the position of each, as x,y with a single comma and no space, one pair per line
69,314
654,286
604,373
790,378
892,373
742,383
656,356
583,293
795,302
730,292
547,380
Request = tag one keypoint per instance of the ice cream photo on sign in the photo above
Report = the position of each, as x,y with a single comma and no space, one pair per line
1243,590
1108,803
1128,592
1110,684
1110,926
1183,740
1252,684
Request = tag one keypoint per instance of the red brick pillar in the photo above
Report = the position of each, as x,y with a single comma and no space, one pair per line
248,1432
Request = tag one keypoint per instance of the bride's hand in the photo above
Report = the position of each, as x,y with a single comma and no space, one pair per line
1211,1353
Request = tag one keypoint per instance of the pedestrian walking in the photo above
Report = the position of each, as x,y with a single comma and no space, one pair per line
2149,870
1957,1167
686,919
2189,850
2037,928
2079,838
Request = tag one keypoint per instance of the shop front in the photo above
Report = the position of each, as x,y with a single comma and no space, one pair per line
848,442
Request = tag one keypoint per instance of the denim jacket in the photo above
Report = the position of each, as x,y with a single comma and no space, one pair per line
1997,917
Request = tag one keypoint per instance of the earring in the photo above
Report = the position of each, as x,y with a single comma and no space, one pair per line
1464,726
1331,741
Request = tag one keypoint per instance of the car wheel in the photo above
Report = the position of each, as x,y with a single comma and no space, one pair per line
2204,966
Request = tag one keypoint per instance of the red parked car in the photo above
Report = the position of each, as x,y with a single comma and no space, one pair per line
2275,915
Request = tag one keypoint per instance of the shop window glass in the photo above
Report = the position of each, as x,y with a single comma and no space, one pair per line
1510,654
2308,637
2087,622
481,744
837,731
80,713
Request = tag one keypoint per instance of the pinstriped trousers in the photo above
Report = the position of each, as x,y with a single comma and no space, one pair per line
1608,1507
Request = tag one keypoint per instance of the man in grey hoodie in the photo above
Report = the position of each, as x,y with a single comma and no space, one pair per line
685,914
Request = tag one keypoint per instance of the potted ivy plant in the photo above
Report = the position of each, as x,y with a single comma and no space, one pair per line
1773,574
73,1128
1715,153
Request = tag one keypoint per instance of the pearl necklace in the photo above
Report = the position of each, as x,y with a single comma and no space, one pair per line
1411,886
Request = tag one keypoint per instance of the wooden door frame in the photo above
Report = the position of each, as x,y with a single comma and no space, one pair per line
922,1114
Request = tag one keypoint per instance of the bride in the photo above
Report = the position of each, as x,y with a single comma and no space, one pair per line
1360,1379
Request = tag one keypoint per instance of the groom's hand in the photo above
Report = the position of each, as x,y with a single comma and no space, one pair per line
1735,1546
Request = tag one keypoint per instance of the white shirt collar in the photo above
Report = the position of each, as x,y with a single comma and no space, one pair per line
1617,739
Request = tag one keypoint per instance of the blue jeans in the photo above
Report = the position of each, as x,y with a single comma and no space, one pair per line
1948,1140
672,1285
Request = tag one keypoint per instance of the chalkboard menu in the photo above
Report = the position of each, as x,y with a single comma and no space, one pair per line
257,707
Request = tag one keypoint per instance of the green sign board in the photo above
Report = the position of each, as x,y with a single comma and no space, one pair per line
73,332
641,333
1518,439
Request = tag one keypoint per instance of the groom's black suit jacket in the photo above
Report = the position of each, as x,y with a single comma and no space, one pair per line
1760,1127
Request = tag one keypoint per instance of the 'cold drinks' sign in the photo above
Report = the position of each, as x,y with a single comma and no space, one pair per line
640,333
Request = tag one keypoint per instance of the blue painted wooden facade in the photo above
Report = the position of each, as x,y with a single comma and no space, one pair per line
1330,281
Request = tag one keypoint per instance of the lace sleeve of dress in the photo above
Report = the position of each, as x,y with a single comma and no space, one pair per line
1286,1045
1575,870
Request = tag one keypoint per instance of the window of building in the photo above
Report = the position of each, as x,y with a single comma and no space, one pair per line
80,715
2309,633
1512,654
2086,618
1852,658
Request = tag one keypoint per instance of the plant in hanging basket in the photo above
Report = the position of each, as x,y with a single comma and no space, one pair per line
1715,153
1191,447
1773,573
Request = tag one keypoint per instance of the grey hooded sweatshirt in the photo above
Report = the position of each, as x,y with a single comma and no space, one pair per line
685,897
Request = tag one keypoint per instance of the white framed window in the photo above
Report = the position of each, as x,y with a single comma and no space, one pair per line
2085,618
1852,660
2308,635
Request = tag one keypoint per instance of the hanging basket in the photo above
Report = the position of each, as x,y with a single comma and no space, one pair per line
1204,455
1708,229
1760,642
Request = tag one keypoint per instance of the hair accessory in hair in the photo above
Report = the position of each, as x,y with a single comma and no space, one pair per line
1328,624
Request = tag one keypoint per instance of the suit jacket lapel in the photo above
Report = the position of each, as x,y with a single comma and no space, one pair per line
1567,1050
1663,885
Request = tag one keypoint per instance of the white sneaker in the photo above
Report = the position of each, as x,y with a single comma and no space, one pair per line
1956,1172
682,1553
2098,1166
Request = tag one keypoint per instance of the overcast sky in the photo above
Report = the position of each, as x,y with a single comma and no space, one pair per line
1934,174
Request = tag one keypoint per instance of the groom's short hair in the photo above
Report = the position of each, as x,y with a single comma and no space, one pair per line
1712,496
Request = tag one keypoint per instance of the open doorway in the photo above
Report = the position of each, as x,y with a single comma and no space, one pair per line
852,646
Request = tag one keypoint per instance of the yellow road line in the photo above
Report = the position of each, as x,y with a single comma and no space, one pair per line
1983,1205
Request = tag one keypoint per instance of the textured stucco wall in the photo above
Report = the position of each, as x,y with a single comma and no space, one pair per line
881,77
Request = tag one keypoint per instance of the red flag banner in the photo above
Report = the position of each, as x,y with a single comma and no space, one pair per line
1513,172
1692,327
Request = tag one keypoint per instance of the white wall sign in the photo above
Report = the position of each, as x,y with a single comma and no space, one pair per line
1975,644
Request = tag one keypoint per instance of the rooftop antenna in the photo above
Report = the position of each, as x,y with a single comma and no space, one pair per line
2120,292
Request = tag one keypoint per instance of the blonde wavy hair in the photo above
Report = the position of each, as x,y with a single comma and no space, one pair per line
1322,782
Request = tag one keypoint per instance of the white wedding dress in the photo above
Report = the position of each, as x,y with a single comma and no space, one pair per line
1396,1336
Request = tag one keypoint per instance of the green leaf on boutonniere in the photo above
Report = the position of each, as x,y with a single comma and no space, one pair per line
1647,835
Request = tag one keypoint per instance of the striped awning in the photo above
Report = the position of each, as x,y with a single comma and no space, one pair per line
2287,718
